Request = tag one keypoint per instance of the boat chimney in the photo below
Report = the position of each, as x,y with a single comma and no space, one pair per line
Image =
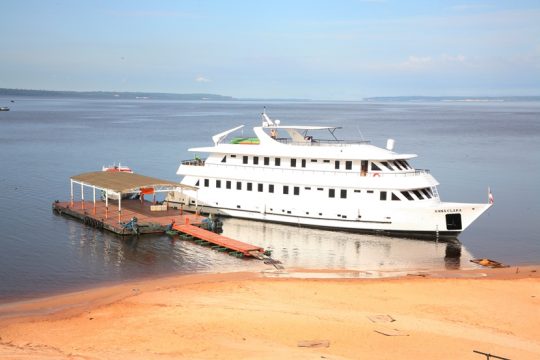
390,144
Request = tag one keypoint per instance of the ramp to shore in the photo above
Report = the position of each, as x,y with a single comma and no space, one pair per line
220,240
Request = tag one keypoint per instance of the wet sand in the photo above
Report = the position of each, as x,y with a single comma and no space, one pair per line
299,315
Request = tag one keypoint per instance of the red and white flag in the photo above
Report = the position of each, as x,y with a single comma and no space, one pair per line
490,196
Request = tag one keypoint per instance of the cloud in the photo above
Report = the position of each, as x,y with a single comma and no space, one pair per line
440,62
467,7
202,79
152,14
417,62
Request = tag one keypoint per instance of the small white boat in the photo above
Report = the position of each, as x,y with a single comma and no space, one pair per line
117,168
4,108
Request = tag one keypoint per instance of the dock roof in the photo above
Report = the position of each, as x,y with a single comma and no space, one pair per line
123,181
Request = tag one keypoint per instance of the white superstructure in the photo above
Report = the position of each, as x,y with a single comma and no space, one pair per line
285,175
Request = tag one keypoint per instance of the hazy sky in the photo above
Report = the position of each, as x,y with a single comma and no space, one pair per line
277,49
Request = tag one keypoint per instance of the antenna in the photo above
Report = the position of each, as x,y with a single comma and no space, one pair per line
266,120
360,133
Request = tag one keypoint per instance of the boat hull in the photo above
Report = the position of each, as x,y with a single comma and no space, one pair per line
400,228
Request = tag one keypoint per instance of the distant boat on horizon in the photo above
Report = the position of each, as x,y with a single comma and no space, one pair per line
4,108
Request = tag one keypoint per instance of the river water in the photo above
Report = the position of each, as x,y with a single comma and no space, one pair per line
467,147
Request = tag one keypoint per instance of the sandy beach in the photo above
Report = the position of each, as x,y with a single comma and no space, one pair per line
298,315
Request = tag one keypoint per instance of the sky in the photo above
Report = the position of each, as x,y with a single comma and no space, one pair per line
323,50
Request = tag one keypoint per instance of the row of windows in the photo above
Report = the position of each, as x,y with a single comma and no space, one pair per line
294,163
420,194
397,164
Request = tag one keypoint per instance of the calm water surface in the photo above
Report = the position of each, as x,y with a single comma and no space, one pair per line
467,147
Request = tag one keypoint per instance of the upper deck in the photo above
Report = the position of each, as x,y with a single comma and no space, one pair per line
301,141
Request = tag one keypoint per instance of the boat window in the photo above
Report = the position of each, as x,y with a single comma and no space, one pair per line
348,165
228,184
375,167
244,159
363,167
238,185
271,188
395,197
206,182
407,195
249,186
320,189
402,163
266,160
357,191
293,162
427,192
406,164
277,161
383,195
255,160
224,159
343,194
370,191
307,188
197,183
332,193
259,187
336,165
396,163
418,194
218,183
313,160
285,189
233,156
385,163
303,163
326,161
296,190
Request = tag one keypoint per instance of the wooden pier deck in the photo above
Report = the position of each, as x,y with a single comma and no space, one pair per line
153,222
149,222
220,241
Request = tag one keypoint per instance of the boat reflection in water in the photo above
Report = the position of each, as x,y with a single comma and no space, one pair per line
299,247
100,256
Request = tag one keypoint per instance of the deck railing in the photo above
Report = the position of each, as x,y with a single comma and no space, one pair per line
194,162
291,170
309,141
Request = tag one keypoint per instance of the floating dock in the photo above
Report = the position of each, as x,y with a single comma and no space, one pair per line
134,217
187,225
106,217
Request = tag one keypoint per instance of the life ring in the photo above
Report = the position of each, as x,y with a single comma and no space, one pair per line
376,175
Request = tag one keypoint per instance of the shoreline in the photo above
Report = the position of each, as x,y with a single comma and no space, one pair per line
302,313
103,293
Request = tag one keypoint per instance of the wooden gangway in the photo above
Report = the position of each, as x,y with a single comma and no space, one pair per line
220,240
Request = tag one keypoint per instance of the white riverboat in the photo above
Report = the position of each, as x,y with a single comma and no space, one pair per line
285,174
